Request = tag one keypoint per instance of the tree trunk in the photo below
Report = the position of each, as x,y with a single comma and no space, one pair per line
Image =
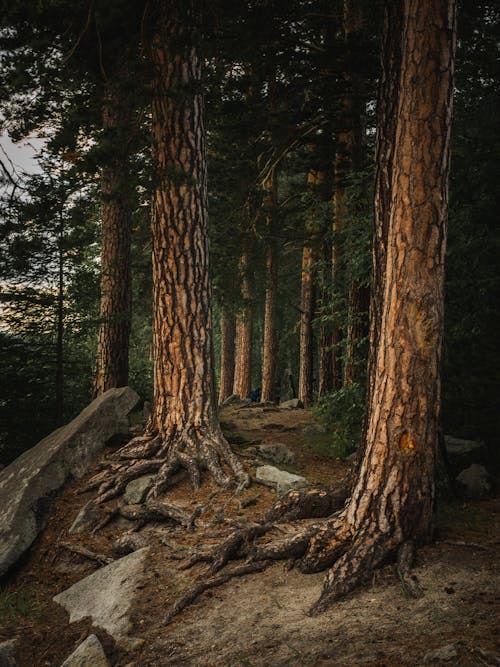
60,325
116,288
228,332
183,430
269,340
358,300
305,390
244,325
392,500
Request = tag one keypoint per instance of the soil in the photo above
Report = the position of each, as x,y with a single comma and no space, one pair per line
262,619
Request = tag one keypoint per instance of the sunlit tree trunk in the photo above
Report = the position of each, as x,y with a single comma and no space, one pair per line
305,388
392,499
116,290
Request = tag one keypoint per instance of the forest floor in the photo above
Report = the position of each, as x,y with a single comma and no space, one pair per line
261,619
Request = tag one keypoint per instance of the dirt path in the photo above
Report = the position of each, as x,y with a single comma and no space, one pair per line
262,619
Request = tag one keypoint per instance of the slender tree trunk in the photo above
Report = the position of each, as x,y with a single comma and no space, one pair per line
60,326
116,288
269,340
358,301
392,500
244,329
305,389
228,333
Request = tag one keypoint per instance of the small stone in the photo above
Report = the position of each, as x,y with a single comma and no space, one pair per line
234,399
474,482
86,519
277,453
136,490
89,654
129,542
284,481
7,649
292,404
447,652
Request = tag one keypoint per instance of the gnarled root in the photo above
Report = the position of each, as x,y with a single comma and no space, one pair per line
192,450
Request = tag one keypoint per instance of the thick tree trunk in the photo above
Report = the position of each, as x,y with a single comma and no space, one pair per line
183,430
269,339
392,500
244,328
116,288
228,333
305,389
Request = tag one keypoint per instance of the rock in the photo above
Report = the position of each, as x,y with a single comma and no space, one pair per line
88,517
447,652
474,482
276,452
107,596
28,485
7,653
284,481
89,654
292,404
234,399
314,429
129,542
136,490
461,453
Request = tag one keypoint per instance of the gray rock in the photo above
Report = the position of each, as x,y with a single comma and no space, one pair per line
136,490
293,403
447,652
29,483
7,650
474,482
107,596
314,429
129,542
88,517
276,452
461,453
89,654
234,399
284,481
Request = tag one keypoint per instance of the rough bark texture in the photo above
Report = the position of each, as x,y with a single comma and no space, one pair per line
228,333
183,429
244,326
269,339
116,290
306,333
391,504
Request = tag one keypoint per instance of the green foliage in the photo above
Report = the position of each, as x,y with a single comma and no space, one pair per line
343,413
19,603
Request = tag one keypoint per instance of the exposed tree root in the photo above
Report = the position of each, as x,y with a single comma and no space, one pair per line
191,450
192,593
83,551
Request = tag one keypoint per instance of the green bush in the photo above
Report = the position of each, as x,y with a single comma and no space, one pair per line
342,411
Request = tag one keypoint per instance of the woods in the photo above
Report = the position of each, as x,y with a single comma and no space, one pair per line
244,204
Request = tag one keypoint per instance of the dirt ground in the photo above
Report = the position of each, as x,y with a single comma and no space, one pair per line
262,619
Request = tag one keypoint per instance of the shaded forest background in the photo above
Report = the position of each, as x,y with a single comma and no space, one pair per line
276,80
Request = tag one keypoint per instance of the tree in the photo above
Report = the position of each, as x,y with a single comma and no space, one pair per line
183,429
390,508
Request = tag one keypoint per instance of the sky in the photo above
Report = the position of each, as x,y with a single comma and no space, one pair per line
22,154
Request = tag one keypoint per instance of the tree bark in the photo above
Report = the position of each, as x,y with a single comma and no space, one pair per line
183,430
116,286
305,389
392,499
269,339
244,327
228,333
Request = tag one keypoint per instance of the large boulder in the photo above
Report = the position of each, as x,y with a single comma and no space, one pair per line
28,485
474,482
462,453
107,595
292,404
89,654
